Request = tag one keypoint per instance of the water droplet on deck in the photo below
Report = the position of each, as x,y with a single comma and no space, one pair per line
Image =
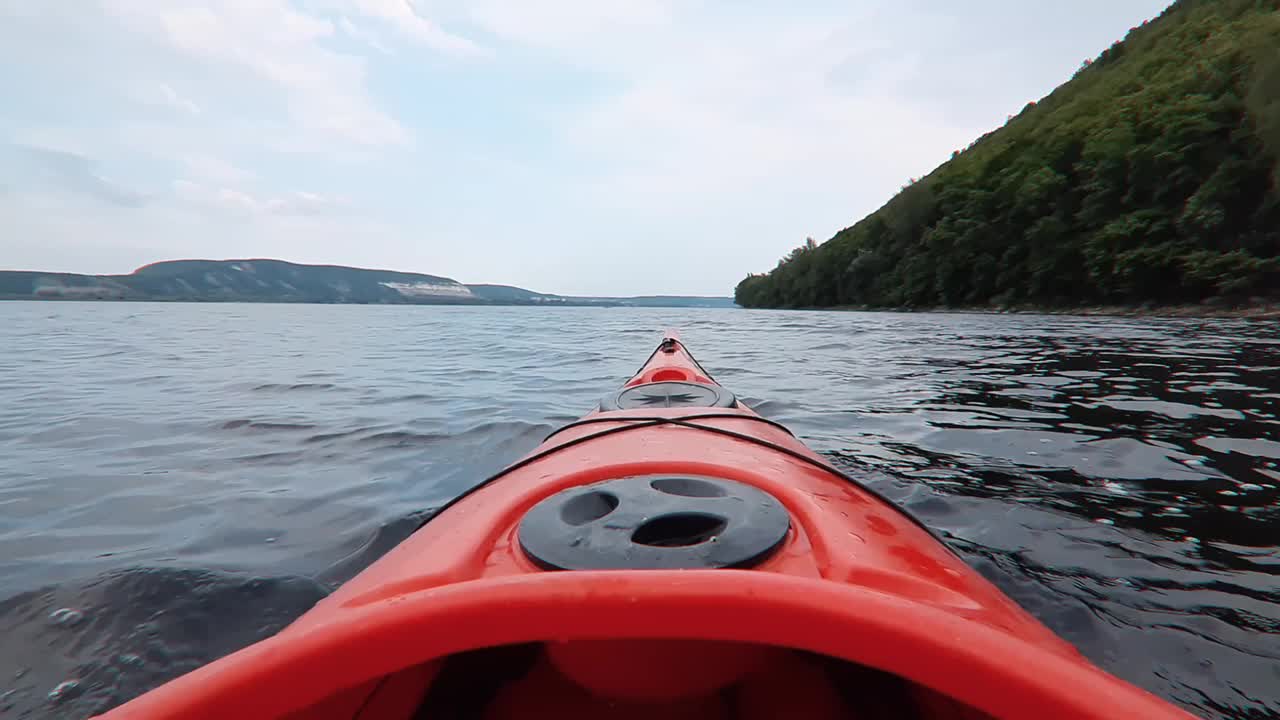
65,690
66,617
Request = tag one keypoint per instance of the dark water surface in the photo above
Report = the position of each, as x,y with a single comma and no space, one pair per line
179,480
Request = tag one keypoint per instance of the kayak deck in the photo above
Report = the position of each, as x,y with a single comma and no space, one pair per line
675,555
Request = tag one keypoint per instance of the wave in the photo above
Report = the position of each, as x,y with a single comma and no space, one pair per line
80,648
286,387
261,425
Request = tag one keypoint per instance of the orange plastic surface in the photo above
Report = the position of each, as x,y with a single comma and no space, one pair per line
854,580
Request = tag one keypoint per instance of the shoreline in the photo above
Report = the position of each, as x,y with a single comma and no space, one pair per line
1265,310
621,303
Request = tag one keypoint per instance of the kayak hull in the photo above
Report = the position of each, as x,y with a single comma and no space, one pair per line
854,589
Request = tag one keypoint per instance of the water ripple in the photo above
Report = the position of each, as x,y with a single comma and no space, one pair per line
1120,478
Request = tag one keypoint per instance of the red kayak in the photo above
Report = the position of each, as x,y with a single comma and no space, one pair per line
671,555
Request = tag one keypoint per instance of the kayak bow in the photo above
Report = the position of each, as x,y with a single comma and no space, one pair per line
670,555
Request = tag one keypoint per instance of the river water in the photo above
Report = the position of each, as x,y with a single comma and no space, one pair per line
178,480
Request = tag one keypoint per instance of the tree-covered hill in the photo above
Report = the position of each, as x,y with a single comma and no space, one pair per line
1150,177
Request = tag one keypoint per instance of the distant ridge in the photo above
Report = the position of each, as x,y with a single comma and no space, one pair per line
267,280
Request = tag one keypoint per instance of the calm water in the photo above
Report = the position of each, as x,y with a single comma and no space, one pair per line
179,480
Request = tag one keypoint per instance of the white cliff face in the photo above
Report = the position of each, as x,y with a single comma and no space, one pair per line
85,291
53,287
425,289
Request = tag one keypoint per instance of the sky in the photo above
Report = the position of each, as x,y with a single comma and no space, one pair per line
599,147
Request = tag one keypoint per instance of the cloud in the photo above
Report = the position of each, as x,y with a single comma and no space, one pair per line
215,169
178,102
404,17
364,36
58,170
570,25
757,109
162,95
243,203
324,90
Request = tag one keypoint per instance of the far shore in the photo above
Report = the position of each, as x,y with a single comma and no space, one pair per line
1256,310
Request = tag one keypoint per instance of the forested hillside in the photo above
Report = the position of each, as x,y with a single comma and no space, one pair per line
1150,177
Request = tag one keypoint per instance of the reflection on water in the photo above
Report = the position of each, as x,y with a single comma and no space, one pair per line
179,480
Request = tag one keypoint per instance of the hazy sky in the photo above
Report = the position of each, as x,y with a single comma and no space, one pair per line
572,146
